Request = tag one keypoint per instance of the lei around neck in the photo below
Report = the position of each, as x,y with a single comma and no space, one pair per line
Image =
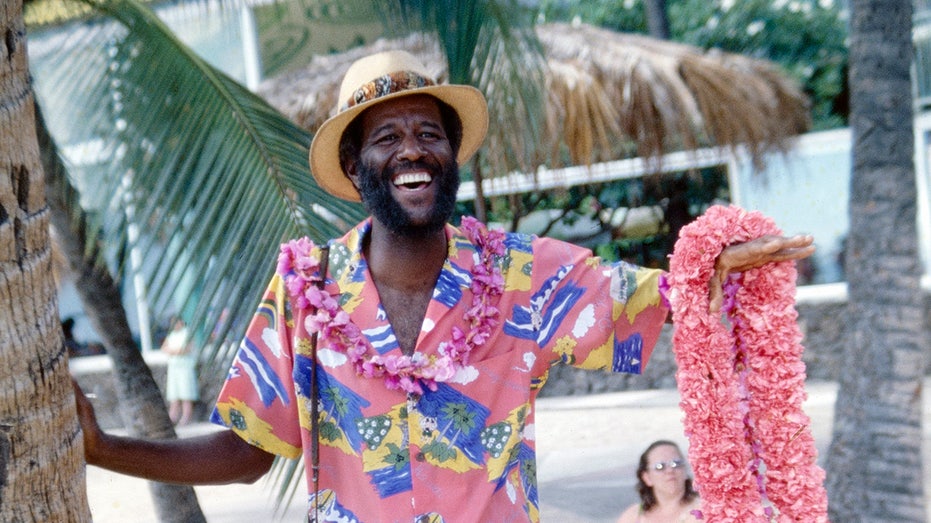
299,265
742,381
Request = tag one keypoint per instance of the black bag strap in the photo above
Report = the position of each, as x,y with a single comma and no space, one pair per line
315,399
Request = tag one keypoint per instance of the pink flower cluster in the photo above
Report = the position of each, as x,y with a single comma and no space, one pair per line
742,380
299,265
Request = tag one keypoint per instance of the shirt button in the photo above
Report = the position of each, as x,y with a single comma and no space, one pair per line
421,456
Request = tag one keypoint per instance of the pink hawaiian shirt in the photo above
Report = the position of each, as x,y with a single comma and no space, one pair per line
466,451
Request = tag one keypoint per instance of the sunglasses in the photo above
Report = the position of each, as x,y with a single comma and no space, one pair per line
671,465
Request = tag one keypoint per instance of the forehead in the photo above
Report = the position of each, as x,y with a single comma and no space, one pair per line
417,108
663,453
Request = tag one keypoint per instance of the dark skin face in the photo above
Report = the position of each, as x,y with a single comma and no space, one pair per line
406,171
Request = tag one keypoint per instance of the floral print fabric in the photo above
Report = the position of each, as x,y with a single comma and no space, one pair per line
466,451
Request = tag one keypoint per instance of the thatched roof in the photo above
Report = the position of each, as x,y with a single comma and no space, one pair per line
610,95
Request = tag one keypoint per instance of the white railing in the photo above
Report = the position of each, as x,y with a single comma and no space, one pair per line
546,179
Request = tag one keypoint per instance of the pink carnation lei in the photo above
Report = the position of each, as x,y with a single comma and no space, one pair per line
742,381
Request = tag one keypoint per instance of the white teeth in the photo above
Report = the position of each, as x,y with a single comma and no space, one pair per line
413,178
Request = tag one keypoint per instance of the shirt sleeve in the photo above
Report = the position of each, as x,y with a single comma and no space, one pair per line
258,400
595,315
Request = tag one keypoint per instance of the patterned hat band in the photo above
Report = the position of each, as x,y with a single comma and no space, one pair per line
384,85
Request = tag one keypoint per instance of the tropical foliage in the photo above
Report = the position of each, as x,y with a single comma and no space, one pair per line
187,174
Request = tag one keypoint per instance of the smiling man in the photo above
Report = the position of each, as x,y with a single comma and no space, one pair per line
427,343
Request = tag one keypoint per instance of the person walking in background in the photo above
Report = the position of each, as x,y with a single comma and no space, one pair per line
181,389
665,488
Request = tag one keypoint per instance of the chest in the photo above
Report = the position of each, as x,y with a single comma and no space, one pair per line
406,311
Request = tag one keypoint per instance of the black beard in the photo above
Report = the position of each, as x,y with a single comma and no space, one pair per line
375,189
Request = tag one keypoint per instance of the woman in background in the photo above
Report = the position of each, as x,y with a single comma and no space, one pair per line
665,488
181,389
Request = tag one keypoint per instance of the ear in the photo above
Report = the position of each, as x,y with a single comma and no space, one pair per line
645,478
351,171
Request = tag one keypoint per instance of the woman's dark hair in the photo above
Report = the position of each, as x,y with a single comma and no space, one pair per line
647,498
351,142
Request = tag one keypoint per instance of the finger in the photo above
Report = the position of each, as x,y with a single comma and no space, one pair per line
78,392
801,240
87,419
84,406
745,256
776,244
715,293
794,253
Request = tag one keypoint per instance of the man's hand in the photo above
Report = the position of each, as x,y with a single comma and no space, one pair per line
88,419
741,257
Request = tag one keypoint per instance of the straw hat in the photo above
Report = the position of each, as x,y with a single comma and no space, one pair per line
378,78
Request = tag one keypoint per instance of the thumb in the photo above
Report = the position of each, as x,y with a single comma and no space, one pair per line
715,293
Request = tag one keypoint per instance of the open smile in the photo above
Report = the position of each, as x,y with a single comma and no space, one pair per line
412,181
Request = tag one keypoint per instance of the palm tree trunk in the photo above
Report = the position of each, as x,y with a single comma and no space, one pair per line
142,406
41,465
874,462
481,213
657,19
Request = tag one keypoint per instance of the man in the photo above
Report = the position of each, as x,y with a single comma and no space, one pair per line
407,374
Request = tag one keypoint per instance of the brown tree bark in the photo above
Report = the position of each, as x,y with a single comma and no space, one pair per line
874,465
41,450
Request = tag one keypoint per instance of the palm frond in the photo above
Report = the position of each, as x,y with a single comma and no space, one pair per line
511,70
209,177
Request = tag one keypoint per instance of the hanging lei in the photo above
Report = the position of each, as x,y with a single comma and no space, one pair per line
299,265
742,386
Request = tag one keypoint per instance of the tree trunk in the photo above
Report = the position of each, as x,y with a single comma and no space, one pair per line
41,465
142,406
481,213
874,466
657,20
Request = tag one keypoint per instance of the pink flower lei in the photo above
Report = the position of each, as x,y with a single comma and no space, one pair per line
299,265
742,385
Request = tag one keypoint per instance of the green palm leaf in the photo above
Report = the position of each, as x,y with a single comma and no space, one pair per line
201,178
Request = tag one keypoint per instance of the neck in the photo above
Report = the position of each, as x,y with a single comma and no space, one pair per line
405,262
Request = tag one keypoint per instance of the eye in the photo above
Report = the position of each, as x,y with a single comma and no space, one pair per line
385,138
431,132
663,465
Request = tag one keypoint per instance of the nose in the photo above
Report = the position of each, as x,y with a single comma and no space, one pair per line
410,148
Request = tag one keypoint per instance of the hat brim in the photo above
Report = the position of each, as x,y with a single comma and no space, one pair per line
467,101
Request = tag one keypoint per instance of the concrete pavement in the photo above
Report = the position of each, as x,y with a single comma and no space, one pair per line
588,447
